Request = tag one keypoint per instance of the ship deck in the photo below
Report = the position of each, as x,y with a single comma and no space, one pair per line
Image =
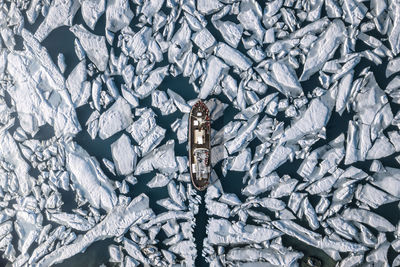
199,138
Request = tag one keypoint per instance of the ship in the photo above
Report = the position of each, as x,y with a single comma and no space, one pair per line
199,145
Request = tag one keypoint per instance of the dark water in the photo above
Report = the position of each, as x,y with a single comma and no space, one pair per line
61,41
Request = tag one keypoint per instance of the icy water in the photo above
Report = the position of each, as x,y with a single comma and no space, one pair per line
61,41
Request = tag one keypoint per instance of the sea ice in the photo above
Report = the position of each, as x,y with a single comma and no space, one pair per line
91,11
214,72
89,179
323,49
116,223
60,13
34,109
161,158
118,15
94,46
223,232
118,117
124,155
77,86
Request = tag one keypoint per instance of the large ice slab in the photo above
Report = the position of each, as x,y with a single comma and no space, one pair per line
223,232
44,100
232,57
124,155
215,69
78,87
11,154
94,46
161,158
116,223
60,13
92,10
152,82
116,118
286,77
118,15
89,179
323,49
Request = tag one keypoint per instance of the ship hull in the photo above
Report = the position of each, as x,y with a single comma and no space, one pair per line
199,146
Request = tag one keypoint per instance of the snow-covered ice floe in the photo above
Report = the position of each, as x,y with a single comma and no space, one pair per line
304,107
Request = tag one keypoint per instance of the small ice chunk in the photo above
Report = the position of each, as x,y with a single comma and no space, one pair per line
230,199
272,257
231,32
292,229
11,154
381,148
115,119
310,214
94,46
61,62
93,124
124,155
207,7
182,163
227,132
373,196
344,90
218,153
250,20
256,108
323,185
271,203
241,162
160,100
129,96
204,39
174,193
135,44
394,33
313,119
388,181
115,253
284,188
393,66
167,216
275,159
151,8
215,208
